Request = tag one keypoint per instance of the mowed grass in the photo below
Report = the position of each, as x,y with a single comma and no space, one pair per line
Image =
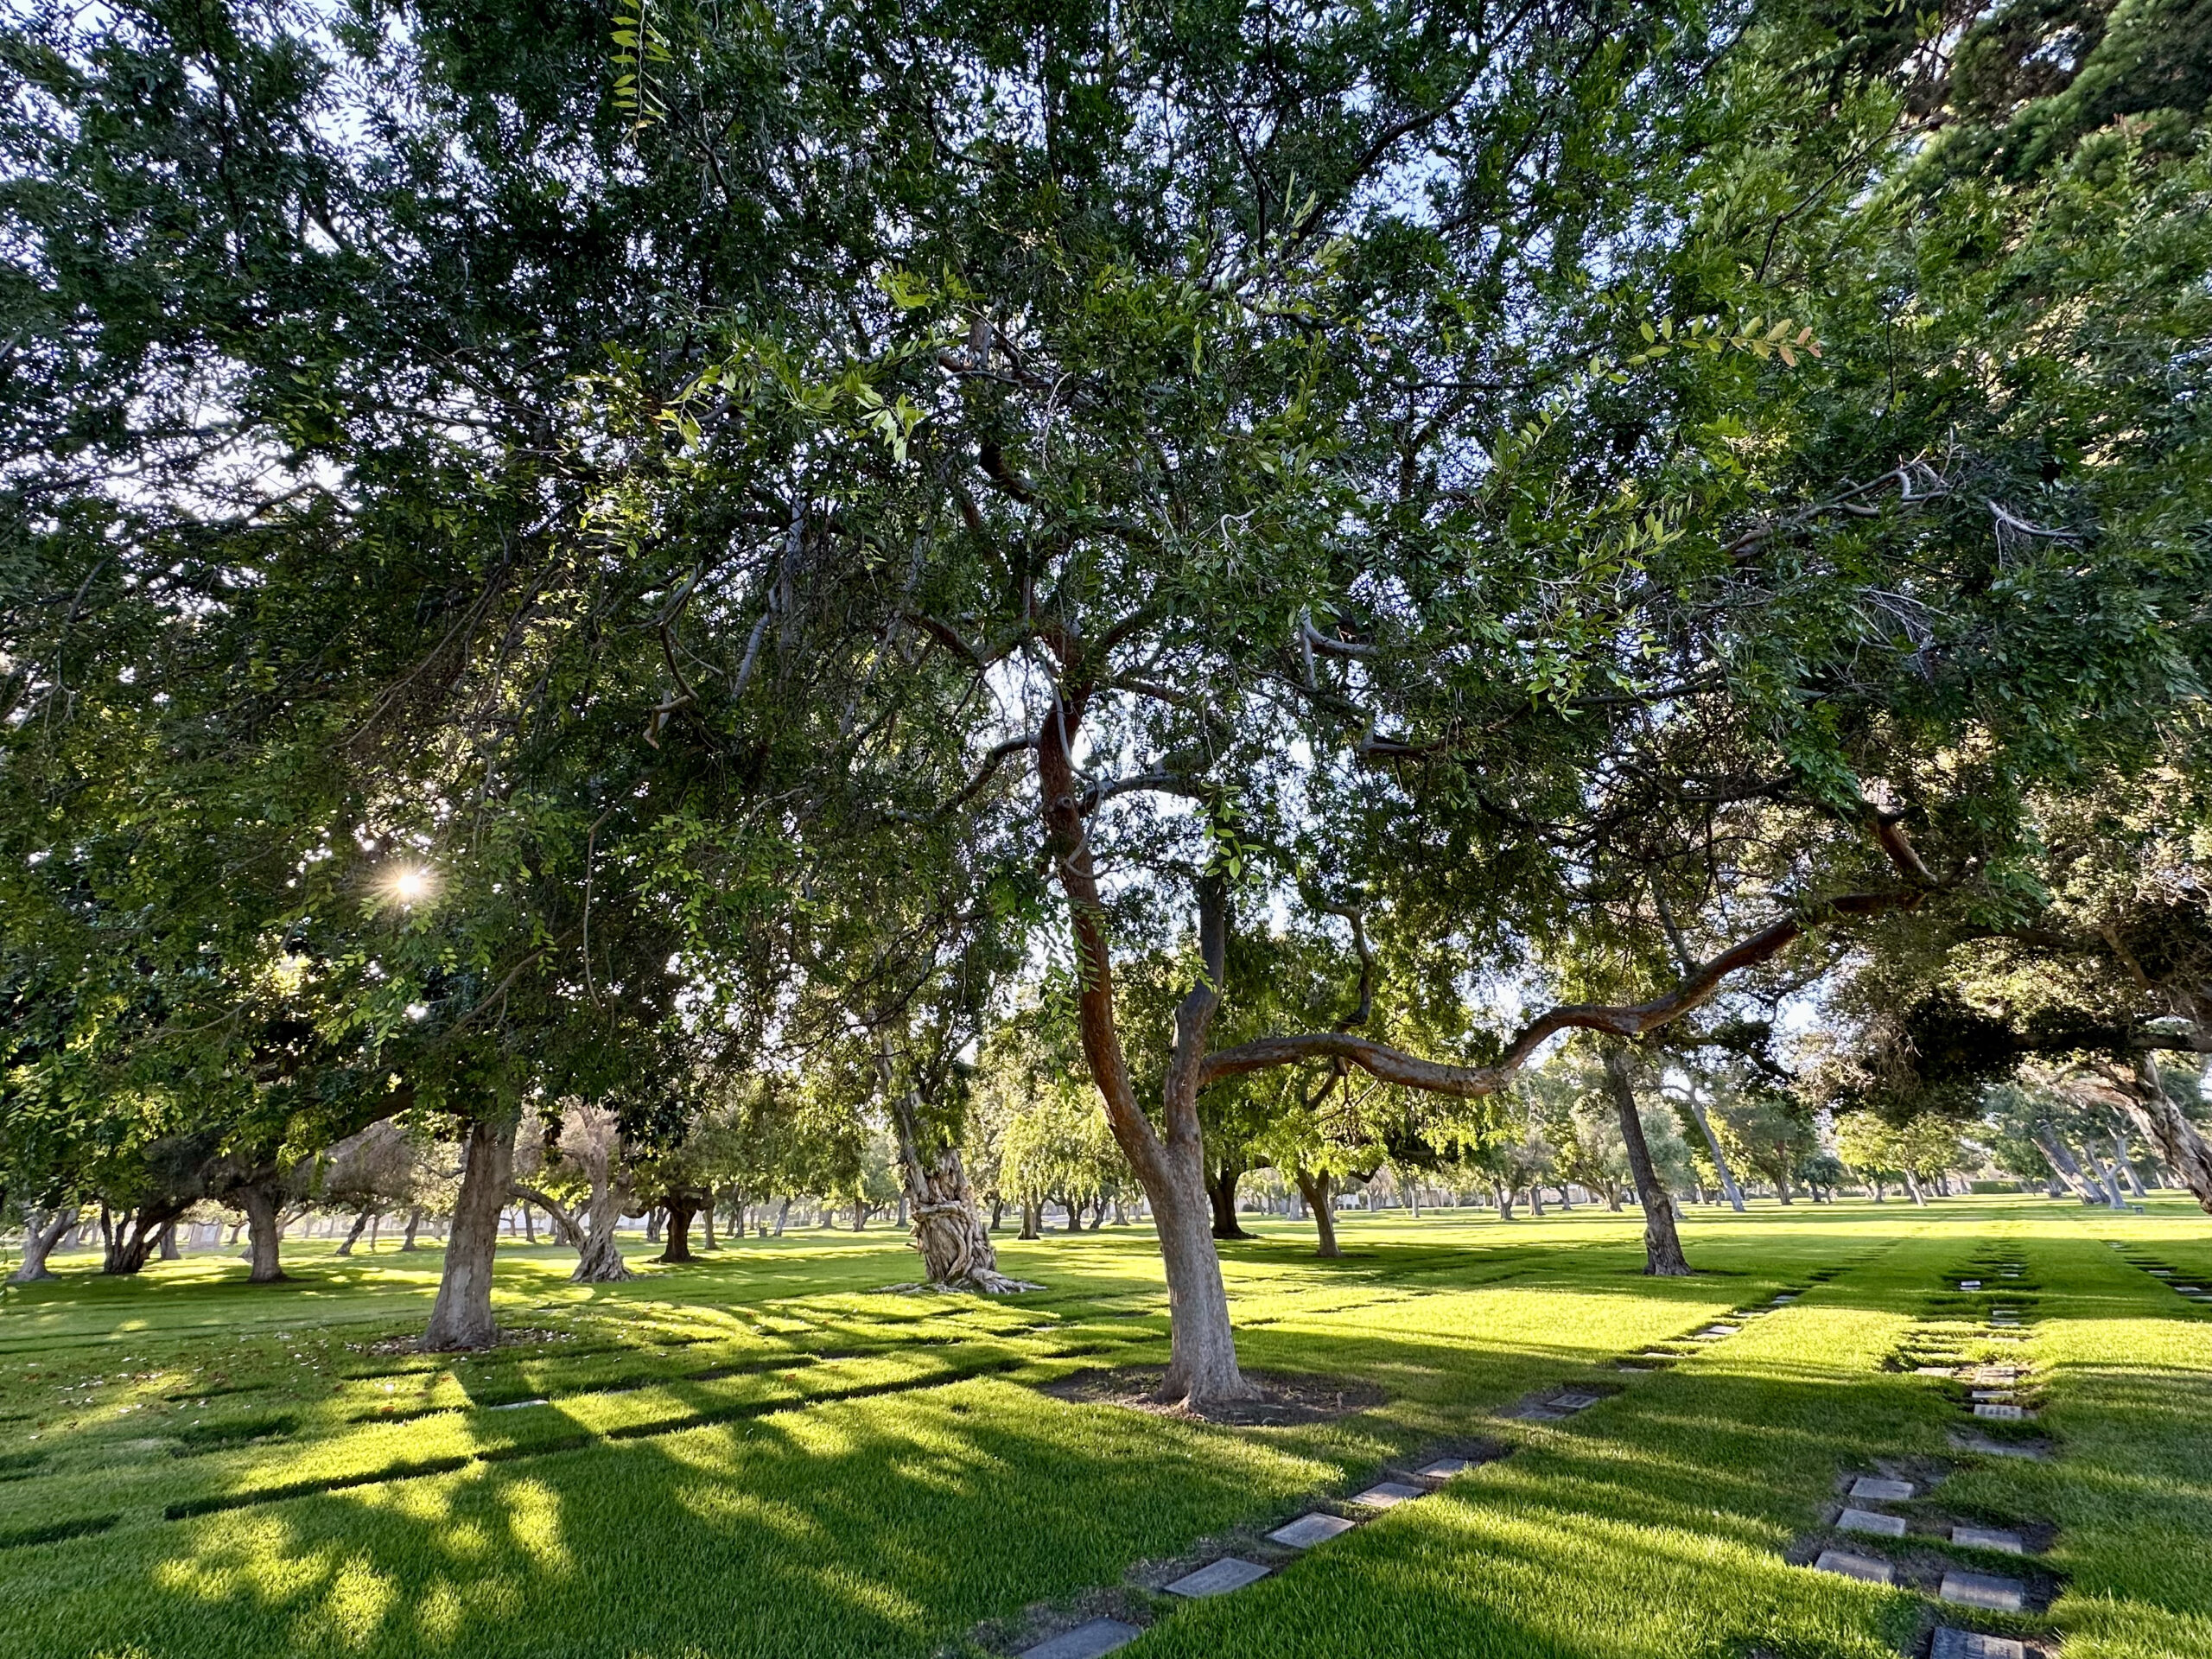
765,1454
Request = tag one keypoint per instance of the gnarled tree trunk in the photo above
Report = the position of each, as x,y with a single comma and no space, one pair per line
1316,1191
1663,1244
948,1232
41,1234
2182,1147
129,1240
461,1316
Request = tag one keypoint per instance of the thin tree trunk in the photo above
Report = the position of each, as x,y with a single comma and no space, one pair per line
2111,1182
263,1232
360,1223
1317,1190
461,1316
1535,1199
1734,1193
1503,1194
40,1235
414,1223
1033,1218
2128,1165
707,1219
1663,1244
782,1213
1912,1186
169,1251
652,1224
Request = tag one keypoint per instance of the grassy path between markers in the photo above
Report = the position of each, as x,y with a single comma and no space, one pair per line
759,1455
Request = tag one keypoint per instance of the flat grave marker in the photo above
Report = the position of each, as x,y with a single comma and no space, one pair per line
1715,1332
1992,1394
1577,1402
1984,1590
1388,1495
2000,1413
1218,1577
1879,1489
1869,1520
1989,1538
1868,1568
1444,1468
1100,1635
1311,1529
1973,1644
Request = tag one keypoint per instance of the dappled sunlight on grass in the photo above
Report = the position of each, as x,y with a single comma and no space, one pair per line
763,1453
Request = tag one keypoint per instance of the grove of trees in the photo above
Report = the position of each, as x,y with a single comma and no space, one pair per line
667,609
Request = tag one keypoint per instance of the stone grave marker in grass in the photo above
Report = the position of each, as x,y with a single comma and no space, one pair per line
1218,1577
1997,1538
1311,1529
1100,1635
1984,1590
1992,1394
1715,1333
1577,1402
1444,1468
1387,1495
1880,1489
1973,1644
2000,1413
1870,1569
1871,1522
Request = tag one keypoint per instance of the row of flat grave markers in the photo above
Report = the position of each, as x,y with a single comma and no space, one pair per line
2194,1293
1961,1588
1102,1636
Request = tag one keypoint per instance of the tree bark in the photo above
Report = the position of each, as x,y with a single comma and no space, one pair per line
414,1222
259,1199
1033,1218
652,1225
2068,1167
1320,1199
1912,1186
169,1251
360,1224
461,1316
707,1220
40,1235
2181,1148
129,1240
1169,1162
2128,1165
1735,1193
955,1246
680,1207
1222,1190
782,1213
1504,1195
1663,1244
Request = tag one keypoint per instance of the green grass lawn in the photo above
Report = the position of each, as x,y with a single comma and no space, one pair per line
763,1454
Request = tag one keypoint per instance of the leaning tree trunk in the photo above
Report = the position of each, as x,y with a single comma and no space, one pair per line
2068,1167
1912,1186
1315,1190
129,1241
361,1225
2180,1145
259,1200
414,1223
948,1232
2128,1165
39,1236
462,1317
1735,1193
1663,1244
2110,1181
1222,1189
